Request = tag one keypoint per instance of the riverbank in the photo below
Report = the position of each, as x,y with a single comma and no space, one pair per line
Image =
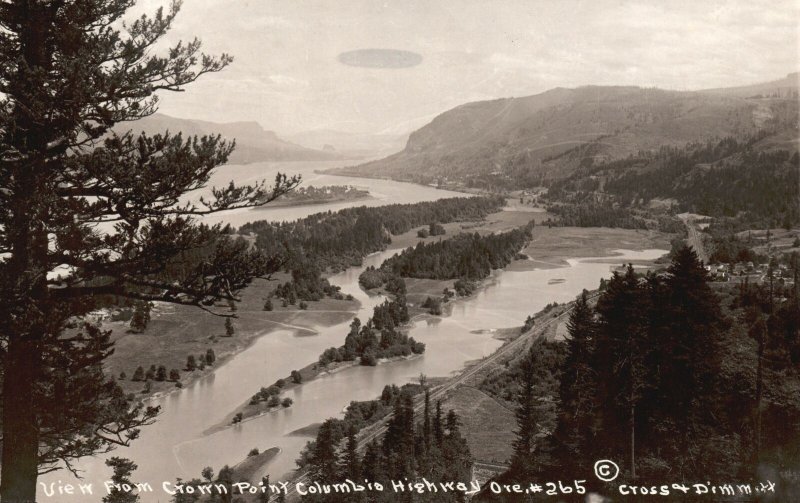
418,291
321,195
311,372
446,337
551,247
175,332
279,203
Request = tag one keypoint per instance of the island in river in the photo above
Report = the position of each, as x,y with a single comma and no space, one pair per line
420,289
325,194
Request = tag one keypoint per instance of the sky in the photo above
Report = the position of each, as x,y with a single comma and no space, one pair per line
373,66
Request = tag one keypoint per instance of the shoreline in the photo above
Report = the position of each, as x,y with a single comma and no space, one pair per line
606,255
463,190
504,334
263,323
314,202
312,367
226,422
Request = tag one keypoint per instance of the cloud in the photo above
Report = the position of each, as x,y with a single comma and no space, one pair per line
310,64
380,58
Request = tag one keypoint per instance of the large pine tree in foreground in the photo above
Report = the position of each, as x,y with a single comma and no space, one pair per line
85,212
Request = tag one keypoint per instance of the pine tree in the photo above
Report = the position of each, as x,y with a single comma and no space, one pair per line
190,363
398,441
229,330
77,72
323,466
693,336
426,424
578,387
528,418
351,464
210,356
455,456
438,426
225,479
372,464
138,374
141,316
620,361
123,468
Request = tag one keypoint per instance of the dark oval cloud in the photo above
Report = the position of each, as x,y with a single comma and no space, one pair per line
380,58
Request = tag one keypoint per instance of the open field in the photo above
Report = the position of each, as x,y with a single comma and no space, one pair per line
550,246
501,221
488,425
178,331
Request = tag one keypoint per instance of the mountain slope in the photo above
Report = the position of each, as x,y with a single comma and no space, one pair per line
253,143
786,87
534,140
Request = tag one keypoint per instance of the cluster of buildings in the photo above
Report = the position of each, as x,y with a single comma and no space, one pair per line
727,272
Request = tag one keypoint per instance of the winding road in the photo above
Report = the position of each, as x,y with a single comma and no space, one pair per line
695,237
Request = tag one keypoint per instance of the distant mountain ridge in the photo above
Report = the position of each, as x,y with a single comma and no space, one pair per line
353,144
786,87
253,142
537,139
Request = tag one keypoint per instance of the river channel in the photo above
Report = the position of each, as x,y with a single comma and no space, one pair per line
175,445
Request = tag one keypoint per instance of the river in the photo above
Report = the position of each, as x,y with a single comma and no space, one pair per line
175,445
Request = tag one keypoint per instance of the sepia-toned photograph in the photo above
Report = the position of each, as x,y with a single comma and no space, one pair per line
378,251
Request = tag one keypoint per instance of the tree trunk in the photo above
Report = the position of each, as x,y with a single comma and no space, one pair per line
759,392
633,440
20,429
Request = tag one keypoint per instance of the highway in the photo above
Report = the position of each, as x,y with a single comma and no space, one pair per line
694,237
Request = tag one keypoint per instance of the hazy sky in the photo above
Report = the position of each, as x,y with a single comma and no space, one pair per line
311,64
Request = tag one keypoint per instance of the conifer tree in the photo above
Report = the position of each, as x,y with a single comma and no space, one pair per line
123,469
351,463
141,316
426,424
438,426
578,387
622,338
107,206
399,439
323,458
138,374
528,417
693,330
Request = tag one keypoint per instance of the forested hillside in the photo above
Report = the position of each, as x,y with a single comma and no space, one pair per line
756,180
338,240
469,256
430,447
515,143
668,378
